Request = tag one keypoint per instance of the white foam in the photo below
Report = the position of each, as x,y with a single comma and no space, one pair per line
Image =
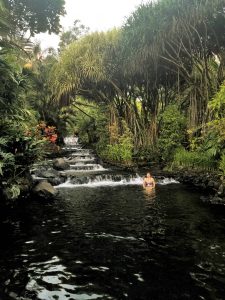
110,182
80,164
84,170
85,153
166,181
106,182
71,140
79,159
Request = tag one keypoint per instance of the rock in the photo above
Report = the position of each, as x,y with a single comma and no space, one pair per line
63,174
45,190
204,180
38,171
13,295
211,184
52,176
79,180
56,180
202,186
205,199
60,164
196,180
221,190
49,174
217,200
216,185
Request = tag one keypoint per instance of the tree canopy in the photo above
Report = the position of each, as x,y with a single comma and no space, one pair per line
167,52
36,16
73,34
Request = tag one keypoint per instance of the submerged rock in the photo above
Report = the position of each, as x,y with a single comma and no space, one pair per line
44,190
60,164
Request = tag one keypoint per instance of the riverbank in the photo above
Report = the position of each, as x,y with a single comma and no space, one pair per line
211,184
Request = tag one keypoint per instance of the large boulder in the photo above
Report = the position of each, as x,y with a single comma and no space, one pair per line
60,164
45,190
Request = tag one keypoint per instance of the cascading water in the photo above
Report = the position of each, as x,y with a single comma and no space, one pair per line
111,180
81,160
85,168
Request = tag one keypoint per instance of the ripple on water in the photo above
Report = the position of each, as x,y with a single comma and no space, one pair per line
139,277
101,269
51,280
113,243
49,295
111,236
29,242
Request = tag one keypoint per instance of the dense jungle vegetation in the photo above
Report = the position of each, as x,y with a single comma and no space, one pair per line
150,91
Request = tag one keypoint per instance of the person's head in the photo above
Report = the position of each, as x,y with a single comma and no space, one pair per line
148,175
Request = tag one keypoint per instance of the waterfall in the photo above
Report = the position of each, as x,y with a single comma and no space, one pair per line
81,160
86,170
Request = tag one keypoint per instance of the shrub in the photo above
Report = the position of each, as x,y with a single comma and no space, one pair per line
121,151
172,132
19,149
199,161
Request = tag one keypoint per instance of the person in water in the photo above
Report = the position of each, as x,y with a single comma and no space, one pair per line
149,182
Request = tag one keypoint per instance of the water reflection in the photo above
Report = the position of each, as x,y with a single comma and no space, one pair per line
52,280
150,193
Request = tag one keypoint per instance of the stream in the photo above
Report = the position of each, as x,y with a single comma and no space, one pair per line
104,237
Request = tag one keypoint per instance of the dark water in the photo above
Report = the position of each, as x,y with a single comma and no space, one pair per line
114,243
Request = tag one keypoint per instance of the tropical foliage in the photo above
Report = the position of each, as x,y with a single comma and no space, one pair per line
152,90
172,132
195,160
159,74
21,142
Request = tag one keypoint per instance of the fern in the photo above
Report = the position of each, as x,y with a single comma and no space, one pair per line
12,192
8,158
3,141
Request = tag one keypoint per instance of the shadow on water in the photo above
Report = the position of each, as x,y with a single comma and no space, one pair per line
114,243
